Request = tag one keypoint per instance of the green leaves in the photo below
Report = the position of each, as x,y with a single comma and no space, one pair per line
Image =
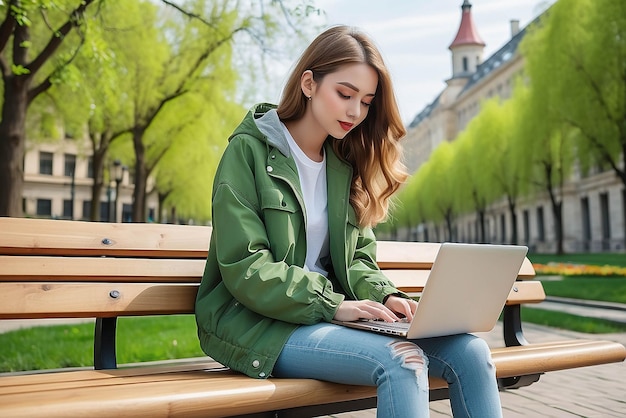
19,69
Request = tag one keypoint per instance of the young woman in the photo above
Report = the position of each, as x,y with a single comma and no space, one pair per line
295,197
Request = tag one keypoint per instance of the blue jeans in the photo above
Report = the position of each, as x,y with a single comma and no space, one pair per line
398,368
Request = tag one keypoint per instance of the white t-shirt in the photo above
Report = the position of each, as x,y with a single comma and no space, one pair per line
313,183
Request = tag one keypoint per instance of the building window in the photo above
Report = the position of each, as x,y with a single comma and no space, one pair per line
68,212
465,67
45,163
586,219
70,165
104,212
90,168
86,209
127,212
541,233
44,207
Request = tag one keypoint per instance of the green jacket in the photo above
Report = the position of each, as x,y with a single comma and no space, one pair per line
254,291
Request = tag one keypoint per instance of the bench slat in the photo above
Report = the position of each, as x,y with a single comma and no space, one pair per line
413,282
88,300
412,255
200,394
526,292
560,355
421,255
93,299
56,237
47,237
86,269
32,382
191,393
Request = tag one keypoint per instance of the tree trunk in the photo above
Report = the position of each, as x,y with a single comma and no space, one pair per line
100,142
449,227
161,197
481,226
512,207
99,147
17,97
12,145
557,212
141,176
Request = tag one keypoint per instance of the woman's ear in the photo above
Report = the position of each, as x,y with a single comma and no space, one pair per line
307,83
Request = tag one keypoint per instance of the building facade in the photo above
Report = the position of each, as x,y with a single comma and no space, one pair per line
594,205
58,181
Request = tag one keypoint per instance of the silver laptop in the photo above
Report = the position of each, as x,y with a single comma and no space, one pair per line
466,290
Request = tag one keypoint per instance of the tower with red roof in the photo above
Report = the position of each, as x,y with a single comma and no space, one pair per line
467,47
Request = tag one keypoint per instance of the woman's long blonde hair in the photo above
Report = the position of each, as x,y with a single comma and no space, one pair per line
373,147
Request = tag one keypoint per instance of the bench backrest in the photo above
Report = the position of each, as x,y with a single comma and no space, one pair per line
54,268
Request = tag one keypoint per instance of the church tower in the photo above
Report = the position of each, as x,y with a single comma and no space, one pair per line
467,47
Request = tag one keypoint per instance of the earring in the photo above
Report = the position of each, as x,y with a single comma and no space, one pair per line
309,98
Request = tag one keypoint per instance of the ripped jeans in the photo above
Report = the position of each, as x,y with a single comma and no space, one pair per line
398,368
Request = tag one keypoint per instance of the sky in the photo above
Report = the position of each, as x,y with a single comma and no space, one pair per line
413,37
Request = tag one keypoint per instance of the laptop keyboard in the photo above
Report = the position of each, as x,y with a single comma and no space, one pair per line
401,325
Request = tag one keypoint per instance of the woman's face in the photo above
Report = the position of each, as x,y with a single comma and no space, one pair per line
341,101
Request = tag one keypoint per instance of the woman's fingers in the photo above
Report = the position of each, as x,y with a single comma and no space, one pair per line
352,310
403,306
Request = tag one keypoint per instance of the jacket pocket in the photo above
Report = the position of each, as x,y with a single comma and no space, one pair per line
277,200
284,225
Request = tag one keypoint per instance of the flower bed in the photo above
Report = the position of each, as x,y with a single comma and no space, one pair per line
566,269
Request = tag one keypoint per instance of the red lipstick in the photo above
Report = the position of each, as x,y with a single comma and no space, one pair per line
346,125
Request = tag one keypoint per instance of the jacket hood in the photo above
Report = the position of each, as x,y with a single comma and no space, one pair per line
262,122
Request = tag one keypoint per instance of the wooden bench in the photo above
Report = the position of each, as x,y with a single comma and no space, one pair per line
65,269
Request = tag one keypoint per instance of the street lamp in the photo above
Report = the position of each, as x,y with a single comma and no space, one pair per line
118,174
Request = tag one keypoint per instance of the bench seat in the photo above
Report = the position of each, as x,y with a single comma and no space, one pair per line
204,388
64,269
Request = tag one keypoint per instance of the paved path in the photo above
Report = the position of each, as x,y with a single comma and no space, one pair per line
591,309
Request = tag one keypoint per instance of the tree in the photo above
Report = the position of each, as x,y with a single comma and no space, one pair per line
576,59
97,105
475,190
195,66
436,192
27,72
492,131
543,142
199,39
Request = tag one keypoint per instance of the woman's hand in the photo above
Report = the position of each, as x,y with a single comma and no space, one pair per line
352,310
402,306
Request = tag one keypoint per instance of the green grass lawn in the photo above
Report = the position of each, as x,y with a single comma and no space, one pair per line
570,322
602,288
139,339
608,289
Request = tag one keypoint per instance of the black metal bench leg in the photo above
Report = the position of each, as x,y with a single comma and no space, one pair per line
104,356
512,326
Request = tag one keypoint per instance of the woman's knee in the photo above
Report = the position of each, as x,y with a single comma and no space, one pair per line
409,355
478,349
